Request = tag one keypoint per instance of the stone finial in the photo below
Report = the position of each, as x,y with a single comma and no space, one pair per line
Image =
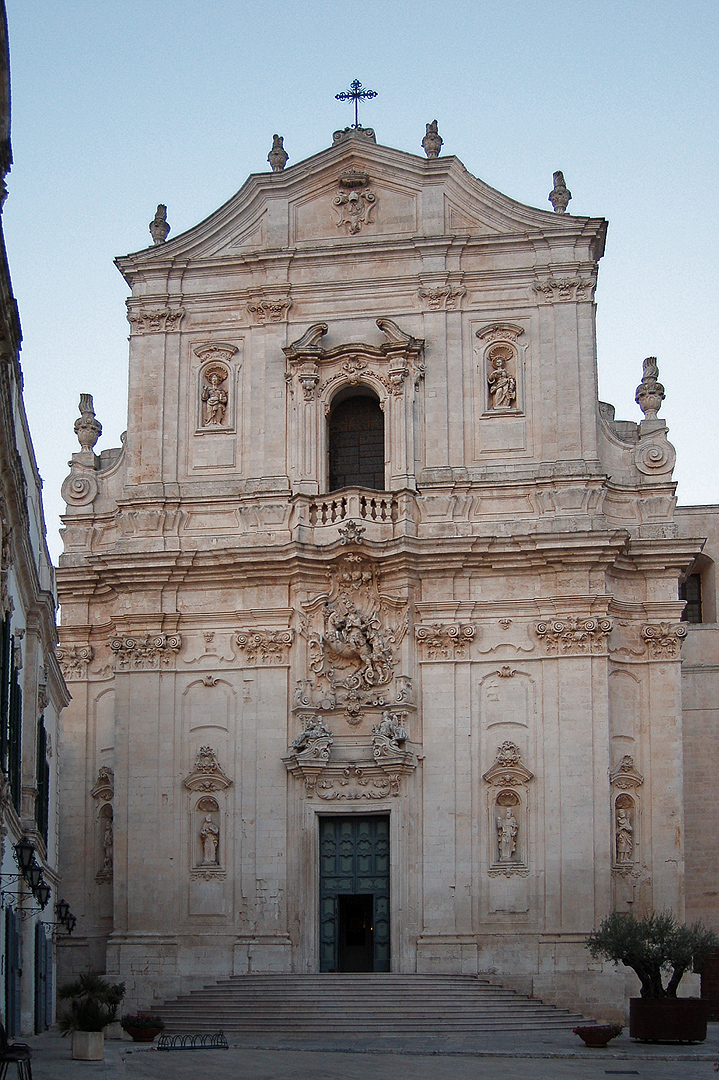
432,142
277,156
650,392
158,226
560,194
87,428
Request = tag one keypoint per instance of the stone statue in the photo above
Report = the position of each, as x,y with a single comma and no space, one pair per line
507,829
158,226
107,845
210,838
215,399
560,194
624,837
390,728
277,156
502,385
315,729
432,142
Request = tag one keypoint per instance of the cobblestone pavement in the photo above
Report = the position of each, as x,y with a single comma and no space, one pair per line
526,1056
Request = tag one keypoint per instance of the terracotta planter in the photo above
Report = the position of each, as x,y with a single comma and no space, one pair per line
88,1045
597,1035
143,1034
668,1019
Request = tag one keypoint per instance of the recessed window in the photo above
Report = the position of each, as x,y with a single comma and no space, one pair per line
356,443
691,591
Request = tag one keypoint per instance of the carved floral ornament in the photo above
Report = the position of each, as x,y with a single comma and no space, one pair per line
155,321
446,641
264,646
574,636
145,652
73,660
553,290
664,639
269,308
442,295
207,774
389,367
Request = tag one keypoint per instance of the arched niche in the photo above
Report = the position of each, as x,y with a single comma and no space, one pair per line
207,838
208,703
624,713
356,440
506,698
104,716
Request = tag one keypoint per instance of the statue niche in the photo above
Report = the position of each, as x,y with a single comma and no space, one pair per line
208,833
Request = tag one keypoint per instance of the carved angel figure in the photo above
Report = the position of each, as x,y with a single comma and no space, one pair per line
315,729
391,729
507,829
215,399
502,385
210,838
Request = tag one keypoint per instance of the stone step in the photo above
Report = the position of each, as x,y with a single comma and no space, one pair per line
362,1004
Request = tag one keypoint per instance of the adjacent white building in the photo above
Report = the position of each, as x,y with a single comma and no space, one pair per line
372,622
32,690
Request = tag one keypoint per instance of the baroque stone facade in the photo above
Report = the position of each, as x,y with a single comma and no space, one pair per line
474,647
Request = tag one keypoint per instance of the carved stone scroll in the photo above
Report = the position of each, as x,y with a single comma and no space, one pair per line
269,308
564,290
446,641
574,636
664,639
145,652
73,661
264,646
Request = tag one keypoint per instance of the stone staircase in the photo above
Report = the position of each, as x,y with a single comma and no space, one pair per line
334,1005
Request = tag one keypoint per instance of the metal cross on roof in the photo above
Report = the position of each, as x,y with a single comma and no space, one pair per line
356,93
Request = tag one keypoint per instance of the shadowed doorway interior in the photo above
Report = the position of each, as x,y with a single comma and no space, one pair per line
354,893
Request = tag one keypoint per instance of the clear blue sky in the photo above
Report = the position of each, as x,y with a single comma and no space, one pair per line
121,104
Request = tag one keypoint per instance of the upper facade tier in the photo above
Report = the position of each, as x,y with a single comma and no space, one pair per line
369,320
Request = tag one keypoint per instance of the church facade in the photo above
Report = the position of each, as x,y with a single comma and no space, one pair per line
371,624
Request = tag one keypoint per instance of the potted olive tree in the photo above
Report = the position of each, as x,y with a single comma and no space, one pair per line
659,950
93,1003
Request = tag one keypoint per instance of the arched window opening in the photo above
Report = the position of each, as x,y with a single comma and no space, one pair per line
356,443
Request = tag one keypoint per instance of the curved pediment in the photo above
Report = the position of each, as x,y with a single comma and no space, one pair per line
358,192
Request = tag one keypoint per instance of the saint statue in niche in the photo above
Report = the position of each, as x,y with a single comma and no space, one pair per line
210,838
507,829
502,385
214,397
624,836
107,843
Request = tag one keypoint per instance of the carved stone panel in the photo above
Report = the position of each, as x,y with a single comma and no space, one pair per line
73,661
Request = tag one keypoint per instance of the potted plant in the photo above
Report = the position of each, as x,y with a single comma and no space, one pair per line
597,1035
659,950
93,1004
142,1027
